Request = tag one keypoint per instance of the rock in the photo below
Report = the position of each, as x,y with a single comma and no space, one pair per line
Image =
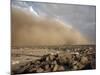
55,67
61,68
43,58
63,60
74,63
51,66
93,65
43,63
37,62
51,57
87,66
48,70
80,66
47,58
84,60
54,62
22,70
32,70
75,67
46,67
56,55
39,70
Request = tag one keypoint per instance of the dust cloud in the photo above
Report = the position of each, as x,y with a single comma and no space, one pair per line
30,30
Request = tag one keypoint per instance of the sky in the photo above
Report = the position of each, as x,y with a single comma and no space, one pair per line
81,17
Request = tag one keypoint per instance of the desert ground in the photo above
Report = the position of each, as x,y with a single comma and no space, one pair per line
52,58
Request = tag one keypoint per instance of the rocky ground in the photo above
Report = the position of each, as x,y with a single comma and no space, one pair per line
47,59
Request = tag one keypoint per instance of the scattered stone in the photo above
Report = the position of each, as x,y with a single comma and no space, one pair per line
51,57
32,70
54,62
75,67
21,70
60,61
55,67
61,68
47,58
84,60
46,67
80,66
39,70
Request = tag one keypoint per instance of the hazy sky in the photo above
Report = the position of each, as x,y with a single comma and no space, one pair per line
81,17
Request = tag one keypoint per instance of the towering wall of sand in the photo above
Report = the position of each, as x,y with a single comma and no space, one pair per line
30,30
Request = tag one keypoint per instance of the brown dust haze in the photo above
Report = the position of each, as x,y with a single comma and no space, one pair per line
30,30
